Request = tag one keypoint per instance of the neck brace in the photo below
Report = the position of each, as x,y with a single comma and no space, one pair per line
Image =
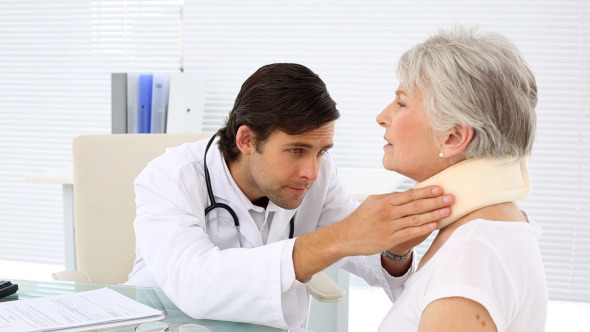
481,182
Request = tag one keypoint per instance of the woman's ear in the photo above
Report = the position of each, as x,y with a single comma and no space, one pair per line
245,140
457,141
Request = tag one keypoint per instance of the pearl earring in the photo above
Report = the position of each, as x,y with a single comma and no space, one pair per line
441,154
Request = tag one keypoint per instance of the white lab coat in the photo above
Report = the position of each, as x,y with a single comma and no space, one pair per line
196,259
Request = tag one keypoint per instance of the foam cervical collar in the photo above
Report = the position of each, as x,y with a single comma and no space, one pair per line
481,182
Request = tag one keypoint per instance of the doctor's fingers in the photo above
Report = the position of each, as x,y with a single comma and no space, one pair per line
403,197
414,202
410,236
414,226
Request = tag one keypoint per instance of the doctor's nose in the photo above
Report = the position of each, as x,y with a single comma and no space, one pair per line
310,169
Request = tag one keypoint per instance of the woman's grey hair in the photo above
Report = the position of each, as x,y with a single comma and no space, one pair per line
475,78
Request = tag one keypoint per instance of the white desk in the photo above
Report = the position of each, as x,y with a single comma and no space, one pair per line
152,297
65,177
61,175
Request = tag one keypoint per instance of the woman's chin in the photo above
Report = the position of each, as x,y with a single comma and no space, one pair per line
390,165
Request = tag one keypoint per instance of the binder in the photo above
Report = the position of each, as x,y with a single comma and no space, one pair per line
144,103
118,103
132,102
160,96
186,103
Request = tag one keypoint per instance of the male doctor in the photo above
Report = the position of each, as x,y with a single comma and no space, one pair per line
275,212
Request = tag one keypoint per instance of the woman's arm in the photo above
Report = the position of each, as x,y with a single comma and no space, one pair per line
456,314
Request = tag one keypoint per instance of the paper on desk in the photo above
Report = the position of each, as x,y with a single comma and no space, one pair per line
74,312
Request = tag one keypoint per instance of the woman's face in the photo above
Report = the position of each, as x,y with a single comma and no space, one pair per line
410,149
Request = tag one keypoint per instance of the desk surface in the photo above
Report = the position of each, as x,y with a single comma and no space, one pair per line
152,297
63,175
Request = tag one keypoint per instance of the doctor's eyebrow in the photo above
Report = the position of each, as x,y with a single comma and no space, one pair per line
308,146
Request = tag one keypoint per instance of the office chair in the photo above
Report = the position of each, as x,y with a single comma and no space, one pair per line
105,167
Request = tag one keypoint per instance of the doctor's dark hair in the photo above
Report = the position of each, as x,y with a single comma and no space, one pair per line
281,96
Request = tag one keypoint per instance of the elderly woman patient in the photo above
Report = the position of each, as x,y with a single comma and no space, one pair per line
464,118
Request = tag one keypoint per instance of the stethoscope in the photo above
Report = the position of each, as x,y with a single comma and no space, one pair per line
226,207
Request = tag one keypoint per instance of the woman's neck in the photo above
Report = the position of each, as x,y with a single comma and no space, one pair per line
479,183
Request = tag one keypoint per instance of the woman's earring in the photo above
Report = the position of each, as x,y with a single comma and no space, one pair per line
441,154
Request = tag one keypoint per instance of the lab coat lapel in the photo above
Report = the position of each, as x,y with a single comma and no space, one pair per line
224,192
250,233
279,229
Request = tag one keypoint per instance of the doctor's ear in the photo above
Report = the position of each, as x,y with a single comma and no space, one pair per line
457,141
245,140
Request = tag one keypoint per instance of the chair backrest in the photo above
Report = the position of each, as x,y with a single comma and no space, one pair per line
105,167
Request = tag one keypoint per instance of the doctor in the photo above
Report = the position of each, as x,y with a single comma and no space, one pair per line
231,228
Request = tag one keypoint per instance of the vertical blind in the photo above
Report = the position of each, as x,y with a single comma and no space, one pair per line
354,45
55,63
56,59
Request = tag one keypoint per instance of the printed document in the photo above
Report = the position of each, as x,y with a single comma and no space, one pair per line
74,312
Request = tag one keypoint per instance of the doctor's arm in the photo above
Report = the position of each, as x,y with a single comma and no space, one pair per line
395,222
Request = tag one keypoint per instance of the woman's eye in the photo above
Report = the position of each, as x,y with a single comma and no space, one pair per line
296,150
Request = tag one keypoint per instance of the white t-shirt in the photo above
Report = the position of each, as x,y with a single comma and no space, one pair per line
497,264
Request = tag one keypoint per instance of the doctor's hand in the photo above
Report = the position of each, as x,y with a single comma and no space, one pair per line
381,222
396,221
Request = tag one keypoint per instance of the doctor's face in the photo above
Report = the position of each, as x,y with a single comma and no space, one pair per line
285,166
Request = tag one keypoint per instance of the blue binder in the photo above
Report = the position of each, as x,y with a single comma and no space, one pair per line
160,96
145,103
